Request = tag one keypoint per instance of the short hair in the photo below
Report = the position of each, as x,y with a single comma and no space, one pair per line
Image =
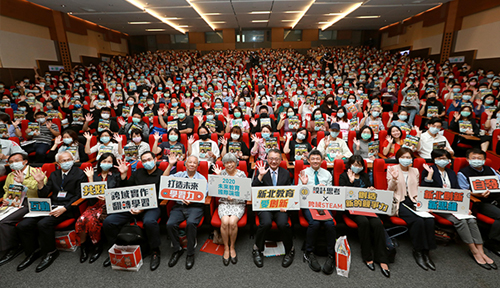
355,159
268,127
436,153
262,107
475,151
138,113
150,153
136,131
63,152
404,150
434,120
360,131
274,150
315,152
41,113
229,157
192,156
25,156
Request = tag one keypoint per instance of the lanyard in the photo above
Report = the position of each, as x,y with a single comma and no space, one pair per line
443,178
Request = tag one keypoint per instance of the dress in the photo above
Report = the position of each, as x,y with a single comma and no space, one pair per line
234,207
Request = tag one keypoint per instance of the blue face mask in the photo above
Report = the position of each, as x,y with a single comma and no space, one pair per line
174,104
266,135
22,109
130,102
442,163
173,138
106,166
286,105
465,113
197,104
366,136
340,114
78,106
356,169
67,165
149,165
434,130
489,101
136,120
105,139
466,97
334,133
403,117
237,114
405,162
456,90
375,114
67,141
210,117
476,163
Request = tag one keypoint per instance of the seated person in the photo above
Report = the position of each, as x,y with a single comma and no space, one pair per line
402,119
464,123
260,148
361,145
8,148
285,118
297,146
431,136
69,142
332,147
235,145
317,123
392,142
136,146
373,120
263,120
237,121
102,123
204,149
137,123
173,143
105,144
48,131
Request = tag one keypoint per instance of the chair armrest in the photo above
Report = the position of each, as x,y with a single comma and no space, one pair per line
164,203
474,199
381,155
78,202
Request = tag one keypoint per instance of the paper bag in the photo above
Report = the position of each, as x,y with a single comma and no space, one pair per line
66,241
343,256
127,258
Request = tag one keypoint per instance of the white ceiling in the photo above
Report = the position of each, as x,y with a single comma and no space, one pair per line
116,14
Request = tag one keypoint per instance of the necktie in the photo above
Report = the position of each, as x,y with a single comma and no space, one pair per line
274,178
316,179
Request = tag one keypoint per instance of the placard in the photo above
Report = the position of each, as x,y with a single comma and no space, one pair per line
322,197
443,200
224,186
173,188
367,200
457,59
481,184
93,189
272,198
123,199
39,207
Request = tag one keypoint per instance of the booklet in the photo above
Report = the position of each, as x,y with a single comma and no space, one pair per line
234,147
411,142
272,249
104,124
439,145
131,152
464,126
373,148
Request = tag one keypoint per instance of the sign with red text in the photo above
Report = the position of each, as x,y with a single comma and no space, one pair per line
443,200
481,184
273,198
192,190
322,197
367,200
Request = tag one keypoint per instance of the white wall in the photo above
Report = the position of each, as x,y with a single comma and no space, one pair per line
482,38
433,42
22,51
77,50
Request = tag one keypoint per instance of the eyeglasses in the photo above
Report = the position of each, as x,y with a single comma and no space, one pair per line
273,159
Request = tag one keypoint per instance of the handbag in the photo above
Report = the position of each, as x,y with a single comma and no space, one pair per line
391,243
217,238
131,235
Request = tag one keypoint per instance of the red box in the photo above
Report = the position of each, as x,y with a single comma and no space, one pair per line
66,241
127,258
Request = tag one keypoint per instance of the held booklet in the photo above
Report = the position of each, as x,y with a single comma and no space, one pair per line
373,148
411,142
131,152
234,147
432,111
104,124
464,126
271,143
439,145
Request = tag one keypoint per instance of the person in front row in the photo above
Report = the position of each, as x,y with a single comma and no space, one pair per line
272,176
184,210
489,204
112,225
315,175
370,229
230,210
440,176
64,184
404,181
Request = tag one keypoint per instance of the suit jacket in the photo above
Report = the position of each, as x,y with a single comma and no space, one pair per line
399,186
71,185
437,180
283,178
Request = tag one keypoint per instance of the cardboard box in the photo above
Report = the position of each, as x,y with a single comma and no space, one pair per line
128,258
343,256
66,241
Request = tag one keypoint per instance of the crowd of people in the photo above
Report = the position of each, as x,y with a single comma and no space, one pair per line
260,107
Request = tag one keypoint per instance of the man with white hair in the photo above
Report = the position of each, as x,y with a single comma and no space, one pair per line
64,184
185,210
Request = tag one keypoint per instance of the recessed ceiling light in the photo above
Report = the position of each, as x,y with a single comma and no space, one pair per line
291,12
323,22
260,21
260,12
211,14
170,18
139,23
334,14
287,20
155,30
63,5
368,17
218,22
183,26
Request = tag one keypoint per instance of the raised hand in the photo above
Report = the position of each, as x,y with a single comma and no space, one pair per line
141,107
389,139
88,118
356,141
391,114
419,132
223,141
303,177
161,112
157,136
58,140
428,168
87,136
89,172
48,124
117,138
456,116
288,136
351,175
254,122
172,159
19,176
261,167
38,174
122,122
191,140
122,166
217,169
394,173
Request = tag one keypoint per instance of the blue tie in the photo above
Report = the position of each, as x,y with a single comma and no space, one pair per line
274,178
316,180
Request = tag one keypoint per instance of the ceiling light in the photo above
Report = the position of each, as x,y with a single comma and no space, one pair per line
260,12
195,8
287,20
323,22
170,18
136,4
155,30
162,19
139,23
334,14
183,26
260,21
368,17
211,14
303,13
218,22
340,17
292,12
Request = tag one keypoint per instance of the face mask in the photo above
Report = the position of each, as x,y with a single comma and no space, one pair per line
137,139
356,169
68,141
489,101
375,114
266,135
54,97
476,163
264,102
100,96
242,103
105,116
434,130
105,139
466,97
22,109
237,114
67,165
235,136
456,90
286,105
442,163
334,133
17,166
41,120
301,136
149,165
465,113
351,100
204,136
174,104
316,117
182,115
496,84
136,120
130,102
366,136
106,166
405,162
403,117
210,117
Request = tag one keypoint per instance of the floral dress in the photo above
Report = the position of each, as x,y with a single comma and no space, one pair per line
234,207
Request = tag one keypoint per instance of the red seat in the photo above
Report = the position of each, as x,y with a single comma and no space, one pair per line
299,166
349,222
442,220
242,165
202,168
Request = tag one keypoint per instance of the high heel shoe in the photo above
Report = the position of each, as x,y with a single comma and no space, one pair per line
493,266
485,265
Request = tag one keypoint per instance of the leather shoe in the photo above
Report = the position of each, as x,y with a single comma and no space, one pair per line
84,252
370,266
428,260
386,273
329,265
96,254
258,258
225,261
11,254
107,262
175,257
420,260
47,261
288,259
28,261
234,259
313,262
155,260
493,266
189,261
484,265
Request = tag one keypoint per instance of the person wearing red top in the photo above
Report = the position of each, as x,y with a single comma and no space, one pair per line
392,142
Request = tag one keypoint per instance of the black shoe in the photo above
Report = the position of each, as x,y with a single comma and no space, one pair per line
329,265
107,262
84,252
428,260
313,262
493,266
485,265
420,259
258,258
225,261
155,260
28,261
96,254
11,254
175,257
370,266
189,261
386,273
47,261
288,259
234,259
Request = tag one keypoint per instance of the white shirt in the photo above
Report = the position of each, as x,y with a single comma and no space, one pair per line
324,176
195,150
114,147
426,144
342,144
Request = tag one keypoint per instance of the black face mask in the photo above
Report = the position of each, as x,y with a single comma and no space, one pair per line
264,115
431,99
204,137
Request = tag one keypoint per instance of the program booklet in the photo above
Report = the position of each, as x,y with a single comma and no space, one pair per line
432,111
131,152
439,145
464,126
373,148
293,122
301,150
271,143
234,147
104,124
411,142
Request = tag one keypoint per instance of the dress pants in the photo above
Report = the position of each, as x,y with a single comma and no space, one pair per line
43,227
312,232
266,221
8,234
192,214
491,211
466,228
114,223
372,237
421,229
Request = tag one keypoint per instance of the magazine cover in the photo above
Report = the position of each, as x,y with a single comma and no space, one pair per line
149,114
19,115
177,151
300,151
411,142
234,147
353,124
119,96
293,122
351,107
4,131
205,147
319,123
104,124
411,95
15,195
105,149
332,150
210,124
34,126
238,122
126,110
4,104
373,148
51,114
72,149
265,121
198,112
439,145
457,96
172,125
464,126
131,152
271,142
432,111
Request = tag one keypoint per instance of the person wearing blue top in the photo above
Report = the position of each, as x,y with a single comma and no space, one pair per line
184,210
457,105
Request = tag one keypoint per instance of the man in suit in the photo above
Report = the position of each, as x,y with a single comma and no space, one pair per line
64,184
273,176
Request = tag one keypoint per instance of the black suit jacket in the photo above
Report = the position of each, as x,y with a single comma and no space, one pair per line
71,185
283,178
436,177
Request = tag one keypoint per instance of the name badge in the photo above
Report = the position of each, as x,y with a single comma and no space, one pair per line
62,194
